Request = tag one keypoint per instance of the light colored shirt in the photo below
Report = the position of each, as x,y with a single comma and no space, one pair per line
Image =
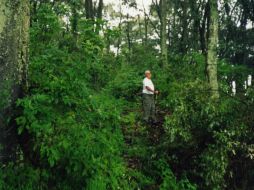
149,83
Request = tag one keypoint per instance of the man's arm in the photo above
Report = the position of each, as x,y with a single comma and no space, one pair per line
149,89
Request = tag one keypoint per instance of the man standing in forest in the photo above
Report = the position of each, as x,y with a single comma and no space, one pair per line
148,98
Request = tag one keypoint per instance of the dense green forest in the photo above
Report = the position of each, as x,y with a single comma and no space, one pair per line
71,76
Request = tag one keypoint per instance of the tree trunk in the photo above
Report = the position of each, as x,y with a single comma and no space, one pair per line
100,9
128,31
99,16
14,36
34,5
203,31
163,20
146,30
119,40
212,49
140,34
74,21
89,9
184,35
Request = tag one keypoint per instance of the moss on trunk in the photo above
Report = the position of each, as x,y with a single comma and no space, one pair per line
14,35
212,49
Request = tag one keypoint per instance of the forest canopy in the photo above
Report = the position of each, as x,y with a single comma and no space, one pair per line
71,99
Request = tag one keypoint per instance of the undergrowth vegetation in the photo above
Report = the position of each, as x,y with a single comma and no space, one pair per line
80,124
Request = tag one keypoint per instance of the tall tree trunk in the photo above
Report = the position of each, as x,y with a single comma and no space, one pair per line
119,40
74,21
33,18
128,31
140,34
203,31
100,9
146,30
212,49
89,9
184,35
99,16
14,36
174,34
163,20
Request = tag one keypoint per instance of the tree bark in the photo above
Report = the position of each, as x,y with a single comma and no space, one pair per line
212,49
100,9
203,30
89,9
119,40
74,20
14,36
196,14
128,31
99,14
146,30
163,20
184,35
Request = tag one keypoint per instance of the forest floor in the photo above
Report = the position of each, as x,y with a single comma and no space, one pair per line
142,140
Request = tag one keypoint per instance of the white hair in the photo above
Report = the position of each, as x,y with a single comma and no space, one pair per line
147,71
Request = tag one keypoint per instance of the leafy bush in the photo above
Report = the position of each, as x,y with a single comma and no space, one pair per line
127,84
169,180
208,131
22,177
71,132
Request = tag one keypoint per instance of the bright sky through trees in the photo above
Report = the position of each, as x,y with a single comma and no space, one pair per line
131,11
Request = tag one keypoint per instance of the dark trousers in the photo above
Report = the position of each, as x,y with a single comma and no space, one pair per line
149,107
